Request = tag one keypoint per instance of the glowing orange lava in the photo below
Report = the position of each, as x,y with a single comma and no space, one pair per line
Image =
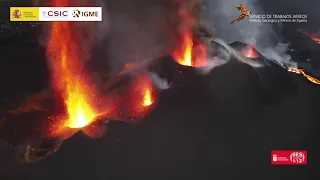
250,52
316,39
189,53
313,37
144,91
147,98
140,99
184,55
300,71
67,77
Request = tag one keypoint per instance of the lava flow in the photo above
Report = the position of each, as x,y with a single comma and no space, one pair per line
300,71
67,77
313,37
250,52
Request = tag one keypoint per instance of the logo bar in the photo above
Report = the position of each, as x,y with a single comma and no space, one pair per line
289,157
56,14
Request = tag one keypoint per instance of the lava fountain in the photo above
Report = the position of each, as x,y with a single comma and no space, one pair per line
142,96
147,95
190,50
190,53
139,101
67,77
184,55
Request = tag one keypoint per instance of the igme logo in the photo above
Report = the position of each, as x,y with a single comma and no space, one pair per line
78,13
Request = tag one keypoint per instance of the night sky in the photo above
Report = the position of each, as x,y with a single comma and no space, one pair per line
218,126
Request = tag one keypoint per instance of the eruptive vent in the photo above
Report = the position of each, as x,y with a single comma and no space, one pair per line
141,97
250,52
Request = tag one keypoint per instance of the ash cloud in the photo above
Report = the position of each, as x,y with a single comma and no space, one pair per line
139,31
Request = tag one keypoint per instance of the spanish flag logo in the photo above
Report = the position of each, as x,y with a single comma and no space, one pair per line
24,14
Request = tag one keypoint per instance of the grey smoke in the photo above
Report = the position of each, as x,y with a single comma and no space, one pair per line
278,54
222,55
263,36
159,82
138,30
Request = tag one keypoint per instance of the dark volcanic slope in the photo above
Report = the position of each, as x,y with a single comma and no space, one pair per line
219,126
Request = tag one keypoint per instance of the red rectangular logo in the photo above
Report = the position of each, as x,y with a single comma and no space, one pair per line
289,157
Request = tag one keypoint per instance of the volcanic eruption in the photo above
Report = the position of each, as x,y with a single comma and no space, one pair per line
73,102
130,96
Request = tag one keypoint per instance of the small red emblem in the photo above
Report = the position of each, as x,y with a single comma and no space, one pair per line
290,157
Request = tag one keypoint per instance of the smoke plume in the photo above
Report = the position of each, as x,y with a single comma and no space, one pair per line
139,30
264,36
223,53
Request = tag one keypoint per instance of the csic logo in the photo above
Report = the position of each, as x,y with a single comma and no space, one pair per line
16,14
78,13
55,13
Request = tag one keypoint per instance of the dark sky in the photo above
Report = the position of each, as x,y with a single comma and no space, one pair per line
219,126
